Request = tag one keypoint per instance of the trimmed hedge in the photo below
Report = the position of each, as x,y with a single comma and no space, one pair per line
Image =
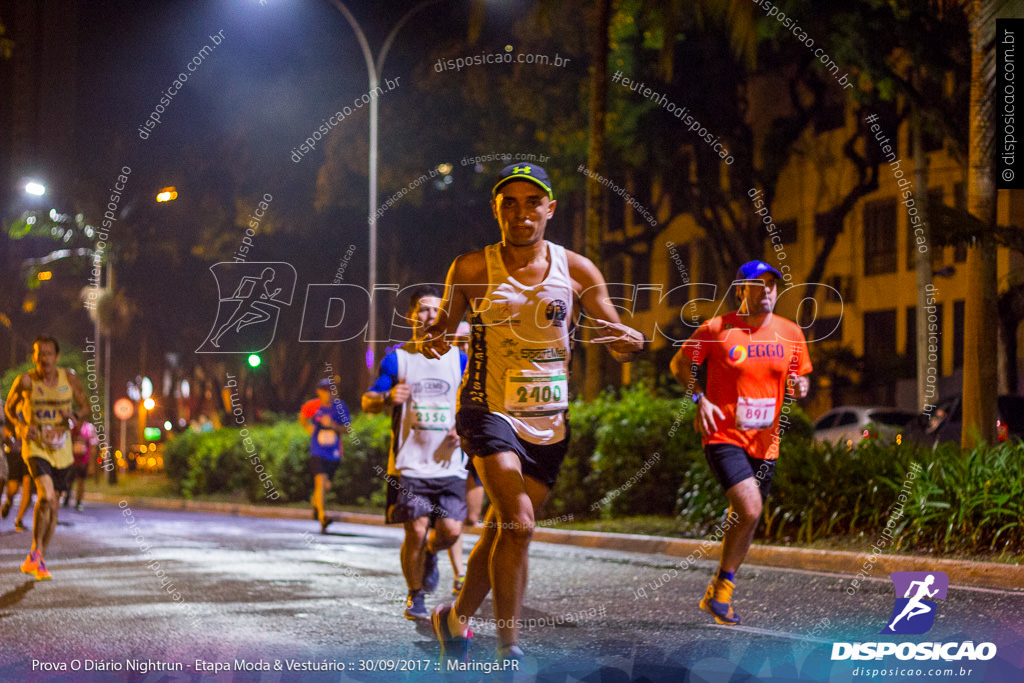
626,455
632,453
222,461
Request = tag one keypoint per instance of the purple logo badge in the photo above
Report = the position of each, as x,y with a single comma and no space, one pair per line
916,593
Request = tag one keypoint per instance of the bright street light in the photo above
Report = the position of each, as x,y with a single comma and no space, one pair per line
35,188
374,68
168,194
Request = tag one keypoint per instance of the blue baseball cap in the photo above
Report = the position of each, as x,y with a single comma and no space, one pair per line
531,173
752,270
325,383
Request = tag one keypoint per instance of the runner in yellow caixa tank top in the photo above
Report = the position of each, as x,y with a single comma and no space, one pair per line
50,411
40,406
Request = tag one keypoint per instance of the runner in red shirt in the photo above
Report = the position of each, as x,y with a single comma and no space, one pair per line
752,356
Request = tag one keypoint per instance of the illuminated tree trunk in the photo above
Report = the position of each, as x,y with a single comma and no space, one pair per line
981,321
595,358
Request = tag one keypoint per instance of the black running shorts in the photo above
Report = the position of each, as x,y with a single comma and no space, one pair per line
38,467
485,434
318,465
731,465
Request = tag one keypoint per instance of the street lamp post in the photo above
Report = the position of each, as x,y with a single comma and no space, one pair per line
374,68
36,188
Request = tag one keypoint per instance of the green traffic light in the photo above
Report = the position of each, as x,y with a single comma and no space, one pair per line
254,360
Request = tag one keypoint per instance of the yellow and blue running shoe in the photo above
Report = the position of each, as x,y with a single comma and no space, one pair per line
415,607
717,601
456,647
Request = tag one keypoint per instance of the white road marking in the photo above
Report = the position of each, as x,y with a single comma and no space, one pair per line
767,632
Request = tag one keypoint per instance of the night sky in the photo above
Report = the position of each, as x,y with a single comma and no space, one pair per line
227,138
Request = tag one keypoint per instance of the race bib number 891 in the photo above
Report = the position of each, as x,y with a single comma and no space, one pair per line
754,413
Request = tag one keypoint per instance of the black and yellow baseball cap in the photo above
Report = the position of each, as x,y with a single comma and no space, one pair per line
525,171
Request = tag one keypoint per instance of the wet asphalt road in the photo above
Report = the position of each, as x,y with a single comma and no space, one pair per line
203,591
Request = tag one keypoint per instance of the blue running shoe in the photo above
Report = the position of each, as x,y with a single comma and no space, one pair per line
717,602
415,608
451,645
431,574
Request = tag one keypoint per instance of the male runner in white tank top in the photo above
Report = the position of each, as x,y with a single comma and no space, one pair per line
524,296
426,482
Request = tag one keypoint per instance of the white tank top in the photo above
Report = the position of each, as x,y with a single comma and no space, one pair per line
519,349
420,424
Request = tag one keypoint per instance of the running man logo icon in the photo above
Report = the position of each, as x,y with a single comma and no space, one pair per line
914,613
247,319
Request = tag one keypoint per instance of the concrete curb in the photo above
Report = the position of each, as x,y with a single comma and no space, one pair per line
962,572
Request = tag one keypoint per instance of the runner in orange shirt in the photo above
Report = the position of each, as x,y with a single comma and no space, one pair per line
752,356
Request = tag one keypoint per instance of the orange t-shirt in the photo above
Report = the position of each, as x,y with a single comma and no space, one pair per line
309,408
747,371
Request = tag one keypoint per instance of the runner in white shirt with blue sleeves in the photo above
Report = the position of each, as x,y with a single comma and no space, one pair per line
426,477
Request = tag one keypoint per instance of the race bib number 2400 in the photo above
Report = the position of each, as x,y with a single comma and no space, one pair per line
532,393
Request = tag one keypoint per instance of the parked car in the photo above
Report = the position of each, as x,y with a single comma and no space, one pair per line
853,424
946,422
